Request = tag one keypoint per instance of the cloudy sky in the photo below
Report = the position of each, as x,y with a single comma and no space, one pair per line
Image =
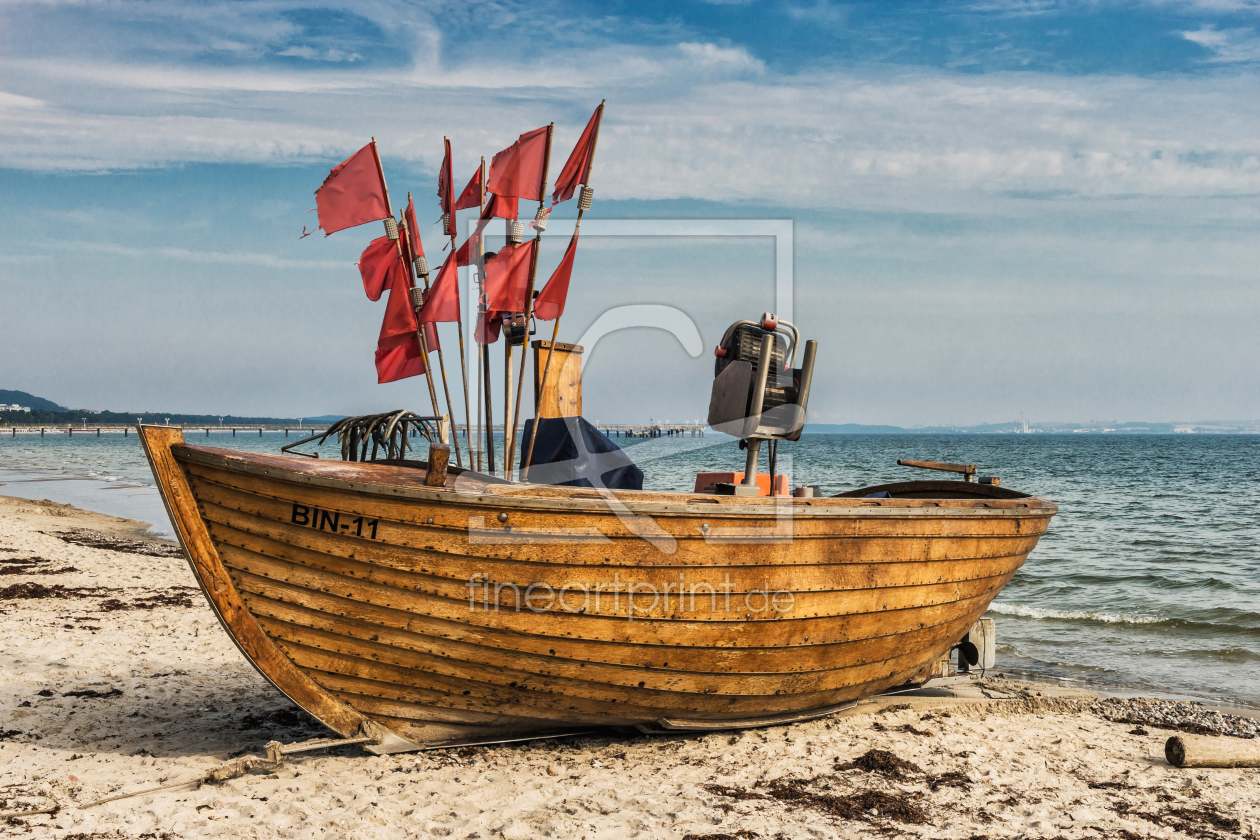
995,208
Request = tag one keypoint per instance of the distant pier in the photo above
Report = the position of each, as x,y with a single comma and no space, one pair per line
653,430
619,430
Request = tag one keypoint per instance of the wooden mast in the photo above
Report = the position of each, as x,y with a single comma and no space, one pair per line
424,352
555,329
529,303
425,278
483,351
463,366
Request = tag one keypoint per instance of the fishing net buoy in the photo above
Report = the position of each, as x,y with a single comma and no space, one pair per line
540,219
417,297
391,229
515,232
584,198
446,224
422,265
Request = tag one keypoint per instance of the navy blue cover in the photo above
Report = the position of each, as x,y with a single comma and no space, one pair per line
570,452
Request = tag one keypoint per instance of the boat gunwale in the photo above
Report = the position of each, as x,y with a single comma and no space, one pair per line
530,496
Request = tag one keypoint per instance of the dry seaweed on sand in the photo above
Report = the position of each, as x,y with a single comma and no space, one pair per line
32,566
30,591
95,539
1204,822
894,767
91,693
882,762
868,805
175,596
738,835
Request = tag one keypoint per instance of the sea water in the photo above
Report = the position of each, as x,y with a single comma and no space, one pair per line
1148,579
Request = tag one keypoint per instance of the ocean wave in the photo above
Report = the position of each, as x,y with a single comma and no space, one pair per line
1023,611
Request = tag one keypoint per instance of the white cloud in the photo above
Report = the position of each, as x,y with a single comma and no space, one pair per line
686,119
711,55
313,54
1229,45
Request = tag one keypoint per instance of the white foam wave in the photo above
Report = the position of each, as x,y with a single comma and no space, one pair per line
1073,615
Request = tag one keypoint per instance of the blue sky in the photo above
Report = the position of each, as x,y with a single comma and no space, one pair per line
998,207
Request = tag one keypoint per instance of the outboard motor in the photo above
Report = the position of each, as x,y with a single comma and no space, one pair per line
758,392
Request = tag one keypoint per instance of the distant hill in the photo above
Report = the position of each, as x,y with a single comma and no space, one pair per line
30,401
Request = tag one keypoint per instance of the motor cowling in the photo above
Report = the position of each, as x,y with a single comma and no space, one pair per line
748,401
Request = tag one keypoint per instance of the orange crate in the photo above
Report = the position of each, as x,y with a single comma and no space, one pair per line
707,482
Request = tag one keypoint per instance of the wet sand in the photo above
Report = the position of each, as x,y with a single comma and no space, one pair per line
119,678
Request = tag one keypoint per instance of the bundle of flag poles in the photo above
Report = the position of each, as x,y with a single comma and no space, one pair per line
355,193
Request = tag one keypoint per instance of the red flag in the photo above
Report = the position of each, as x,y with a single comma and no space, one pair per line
471,196
497,207
441,302
352,194
488,326
464,256
397,358
413,229
400,316
507,278
445,186
517,171
577,169
549,304
374,264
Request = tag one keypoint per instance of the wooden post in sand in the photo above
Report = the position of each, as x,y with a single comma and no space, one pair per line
1206,751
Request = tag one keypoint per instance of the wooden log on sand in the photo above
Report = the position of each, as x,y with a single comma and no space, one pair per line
1205,751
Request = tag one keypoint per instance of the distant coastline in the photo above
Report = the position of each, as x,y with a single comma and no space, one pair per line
42,412
1199,428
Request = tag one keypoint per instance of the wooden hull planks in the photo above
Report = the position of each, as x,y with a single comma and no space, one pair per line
482,610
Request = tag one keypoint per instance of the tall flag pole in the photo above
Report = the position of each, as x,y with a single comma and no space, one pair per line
407,233
564,189
463,364
424,353
483,351
539,225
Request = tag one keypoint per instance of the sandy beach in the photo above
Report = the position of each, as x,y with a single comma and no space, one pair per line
119,678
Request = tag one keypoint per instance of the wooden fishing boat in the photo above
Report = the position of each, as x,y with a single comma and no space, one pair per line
419,616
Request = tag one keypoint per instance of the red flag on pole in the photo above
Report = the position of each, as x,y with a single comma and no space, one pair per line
517,170
397,358
441,302
497,207
464,256
488,326
413,229
507,278
400,316
351,194
549,304
374,264
471,196
578,167
444,188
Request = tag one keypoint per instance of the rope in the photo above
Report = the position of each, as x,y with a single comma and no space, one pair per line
273,761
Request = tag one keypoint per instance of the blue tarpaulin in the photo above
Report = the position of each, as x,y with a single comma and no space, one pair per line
571,452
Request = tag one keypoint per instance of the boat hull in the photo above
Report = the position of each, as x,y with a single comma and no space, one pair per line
481,611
